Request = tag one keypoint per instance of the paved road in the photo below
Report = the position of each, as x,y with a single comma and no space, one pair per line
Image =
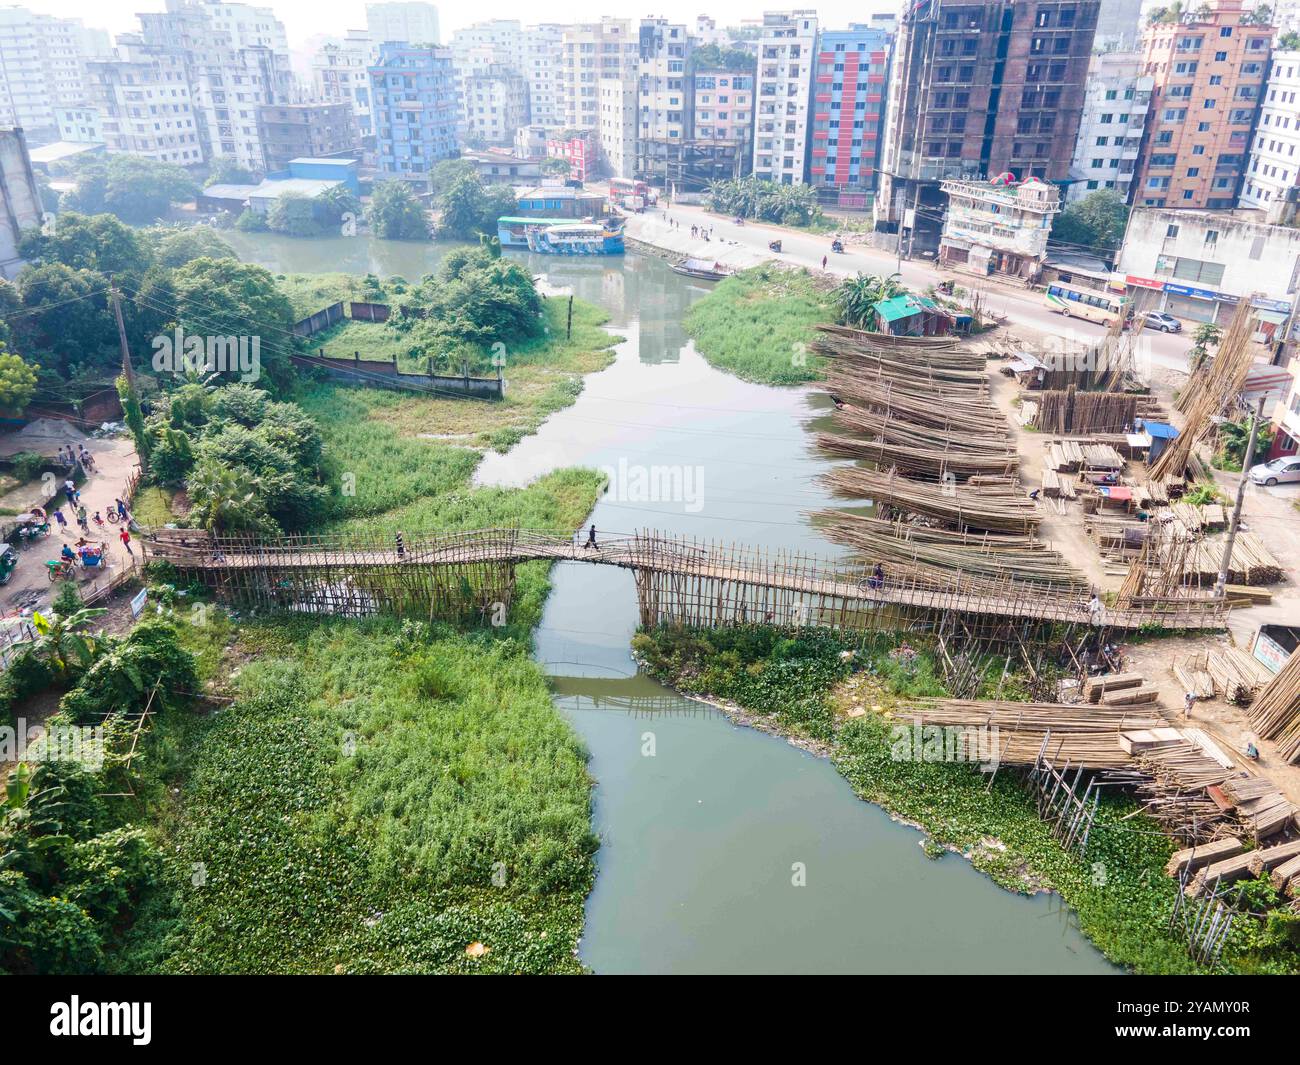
747,245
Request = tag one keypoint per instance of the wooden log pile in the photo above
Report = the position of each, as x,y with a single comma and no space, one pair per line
1275,714
1074,411
1251,562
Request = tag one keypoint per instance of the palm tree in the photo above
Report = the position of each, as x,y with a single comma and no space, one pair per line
226,499
58,641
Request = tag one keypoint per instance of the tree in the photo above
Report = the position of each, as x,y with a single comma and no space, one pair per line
558,167
58,640
857,297
1207,333
447,172
225,500
136,189
771,201
17,382
337,206
1096,223
294,215
713,57
226,170
224,297
463,205
134,418
89,242
69,315
395,213
182,246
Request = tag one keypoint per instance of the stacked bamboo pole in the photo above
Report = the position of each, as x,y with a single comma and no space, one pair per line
1210,393
1275,714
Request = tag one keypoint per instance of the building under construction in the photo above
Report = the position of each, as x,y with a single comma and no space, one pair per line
977,90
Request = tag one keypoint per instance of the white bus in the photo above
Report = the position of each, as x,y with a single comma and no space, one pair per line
1086,303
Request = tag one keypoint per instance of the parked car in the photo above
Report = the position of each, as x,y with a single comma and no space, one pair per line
1279,471
1166,323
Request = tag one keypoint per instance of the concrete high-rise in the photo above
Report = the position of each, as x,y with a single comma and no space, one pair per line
849,109
786,59
1208,71
979,89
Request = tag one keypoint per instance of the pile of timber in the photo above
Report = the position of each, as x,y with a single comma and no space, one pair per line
1199,855
1083,735
1258,804
1074,411
1064,456
1275,714
1248,865
979,505
1209,517
1236,675
1108,684
941,554
1101,457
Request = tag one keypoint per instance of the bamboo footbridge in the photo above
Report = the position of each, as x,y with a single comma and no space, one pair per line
466,575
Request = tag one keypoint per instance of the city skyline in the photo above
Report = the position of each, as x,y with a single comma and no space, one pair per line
305,21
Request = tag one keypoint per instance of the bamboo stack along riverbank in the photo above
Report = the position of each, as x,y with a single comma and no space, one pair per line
966,508
903,547
913,460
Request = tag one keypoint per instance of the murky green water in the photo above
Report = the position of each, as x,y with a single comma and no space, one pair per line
702,839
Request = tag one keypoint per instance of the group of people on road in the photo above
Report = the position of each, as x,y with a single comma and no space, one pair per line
80,457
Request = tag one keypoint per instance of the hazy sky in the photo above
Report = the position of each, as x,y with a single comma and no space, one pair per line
306,18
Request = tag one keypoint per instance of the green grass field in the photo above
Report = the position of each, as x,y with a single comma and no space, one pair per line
759,323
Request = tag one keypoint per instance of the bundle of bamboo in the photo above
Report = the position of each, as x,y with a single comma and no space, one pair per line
1086,736
942,553
1276,712
917,461
1210,393
1073,411
1251,562
990,508
1236,675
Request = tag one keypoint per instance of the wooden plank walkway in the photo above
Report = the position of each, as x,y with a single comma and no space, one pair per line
653,553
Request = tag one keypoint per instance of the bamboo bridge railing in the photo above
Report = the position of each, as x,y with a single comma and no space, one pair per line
678,580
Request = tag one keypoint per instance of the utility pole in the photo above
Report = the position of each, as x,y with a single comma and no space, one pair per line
1220,585
127,371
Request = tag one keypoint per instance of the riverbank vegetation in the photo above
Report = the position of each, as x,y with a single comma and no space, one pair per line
758,323
766,201
850,695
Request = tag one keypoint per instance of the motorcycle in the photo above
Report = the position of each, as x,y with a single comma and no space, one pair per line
8,563
739,220
837,246
774,245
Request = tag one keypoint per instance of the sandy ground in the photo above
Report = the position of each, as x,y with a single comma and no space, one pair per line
30,586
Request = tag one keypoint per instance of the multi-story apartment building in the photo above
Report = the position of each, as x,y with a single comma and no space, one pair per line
608,49
849,108
541,59
978,89
409,23
42,68
413,98
144,103
1273,173
494,105
1119,25
724,112
81,124
1110,129
236,60
340,72
1208,72
615,127
664,99
998,228
785,71
295,131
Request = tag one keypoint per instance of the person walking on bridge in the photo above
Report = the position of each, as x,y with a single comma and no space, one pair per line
401,546
591,538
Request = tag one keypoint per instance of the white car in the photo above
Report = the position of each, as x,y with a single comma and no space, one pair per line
1278,471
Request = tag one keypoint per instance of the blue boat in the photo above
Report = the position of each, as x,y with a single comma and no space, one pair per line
575,238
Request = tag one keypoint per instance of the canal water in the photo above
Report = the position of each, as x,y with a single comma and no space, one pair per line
723,849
